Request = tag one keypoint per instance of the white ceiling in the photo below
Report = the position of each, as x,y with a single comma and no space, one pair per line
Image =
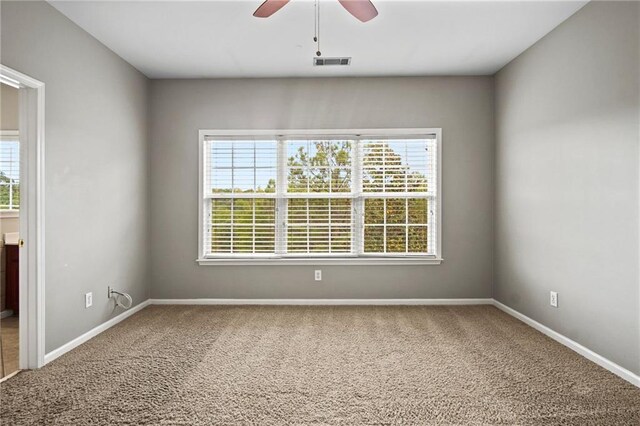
188,39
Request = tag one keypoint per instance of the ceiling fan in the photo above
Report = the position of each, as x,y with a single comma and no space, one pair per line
363,10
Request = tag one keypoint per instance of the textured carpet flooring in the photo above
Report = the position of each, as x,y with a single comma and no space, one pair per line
269,365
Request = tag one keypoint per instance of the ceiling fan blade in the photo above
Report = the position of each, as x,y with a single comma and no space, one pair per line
269,7
364,10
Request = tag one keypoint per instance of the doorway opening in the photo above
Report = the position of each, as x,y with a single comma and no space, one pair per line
9,230
21,222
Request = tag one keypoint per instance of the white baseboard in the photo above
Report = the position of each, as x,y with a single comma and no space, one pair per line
573,345
94,332
372,302
6,313
10,375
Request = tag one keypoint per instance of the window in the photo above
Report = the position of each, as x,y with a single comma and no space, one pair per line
306,195
241,197
9,172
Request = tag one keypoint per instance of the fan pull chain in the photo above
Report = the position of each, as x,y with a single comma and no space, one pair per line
316,38
315,21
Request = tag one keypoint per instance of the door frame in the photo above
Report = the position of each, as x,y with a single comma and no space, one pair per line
32,265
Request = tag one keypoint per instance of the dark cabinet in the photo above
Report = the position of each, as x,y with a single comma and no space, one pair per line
12,277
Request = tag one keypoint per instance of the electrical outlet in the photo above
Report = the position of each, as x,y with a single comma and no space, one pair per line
318,275
88,300
553,299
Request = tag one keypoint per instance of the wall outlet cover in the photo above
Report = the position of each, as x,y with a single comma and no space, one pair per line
88,300
318,275
553,299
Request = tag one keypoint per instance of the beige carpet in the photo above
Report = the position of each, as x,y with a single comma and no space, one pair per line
207,365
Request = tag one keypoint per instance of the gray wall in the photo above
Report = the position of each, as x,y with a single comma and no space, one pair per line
462,106
8,108
567,128
96,165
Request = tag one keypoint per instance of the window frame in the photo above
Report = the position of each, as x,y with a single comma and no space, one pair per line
334,259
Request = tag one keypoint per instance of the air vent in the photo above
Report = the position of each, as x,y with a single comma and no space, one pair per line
331,61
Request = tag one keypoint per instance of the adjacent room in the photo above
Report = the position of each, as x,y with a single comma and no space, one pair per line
9,229
332,212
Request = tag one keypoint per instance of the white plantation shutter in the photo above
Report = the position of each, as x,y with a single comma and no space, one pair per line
320,197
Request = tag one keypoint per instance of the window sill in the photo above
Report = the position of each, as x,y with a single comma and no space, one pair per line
383,261
9,214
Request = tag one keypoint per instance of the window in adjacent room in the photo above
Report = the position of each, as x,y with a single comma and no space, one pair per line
9,172
300,196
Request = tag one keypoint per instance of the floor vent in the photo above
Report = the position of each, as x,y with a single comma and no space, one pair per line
331,61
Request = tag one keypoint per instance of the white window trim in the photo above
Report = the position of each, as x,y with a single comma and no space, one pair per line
387,259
